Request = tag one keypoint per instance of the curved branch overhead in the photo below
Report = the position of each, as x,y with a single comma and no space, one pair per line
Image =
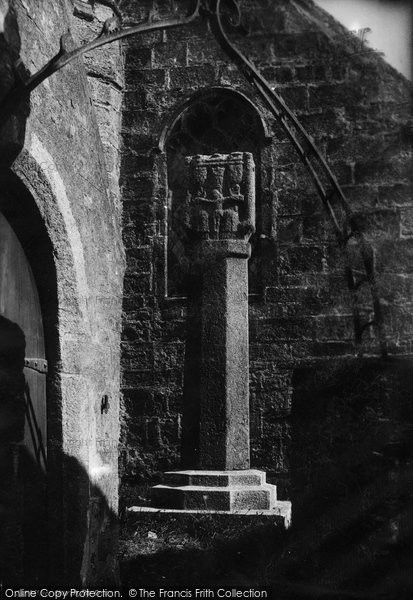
65,56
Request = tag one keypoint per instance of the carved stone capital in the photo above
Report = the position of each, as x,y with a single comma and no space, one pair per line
221,196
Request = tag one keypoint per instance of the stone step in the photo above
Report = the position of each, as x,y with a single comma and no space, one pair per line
250,477
229,498
151,516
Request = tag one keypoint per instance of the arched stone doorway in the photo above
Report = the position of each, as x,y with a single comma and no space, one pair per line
35,549
78,524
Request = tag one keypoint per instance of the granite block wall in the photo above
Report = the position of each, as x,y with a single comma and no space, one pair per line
357,109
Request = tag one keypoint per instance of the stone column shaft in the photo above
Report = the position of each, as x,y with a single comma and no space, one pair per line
224,414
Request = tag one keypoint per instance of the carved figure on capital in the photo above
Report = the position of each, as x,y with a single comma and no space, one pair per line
220,200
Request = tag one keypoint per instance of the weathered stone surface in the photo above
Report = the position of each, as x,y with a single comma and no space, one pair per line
105,71
201,492
221,196
224,417
229,490
214,478
281,512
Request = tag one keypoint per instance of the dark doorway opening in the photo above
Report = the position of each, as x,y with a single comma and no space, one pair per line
28,338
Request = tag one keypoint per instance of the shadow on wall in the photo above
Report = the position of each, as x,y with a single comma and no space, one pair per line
13,115
352,471
25,502
23,491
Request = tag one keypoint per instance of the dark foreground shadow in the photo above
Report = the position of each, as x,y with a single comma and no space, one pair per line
352,469
192,550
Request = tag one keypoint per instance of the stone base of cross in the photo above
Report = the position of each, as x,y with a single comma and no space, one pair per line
229,491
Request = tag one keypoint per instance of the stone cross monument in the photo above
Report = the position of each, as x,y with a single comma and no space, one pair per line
219,215
222,220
